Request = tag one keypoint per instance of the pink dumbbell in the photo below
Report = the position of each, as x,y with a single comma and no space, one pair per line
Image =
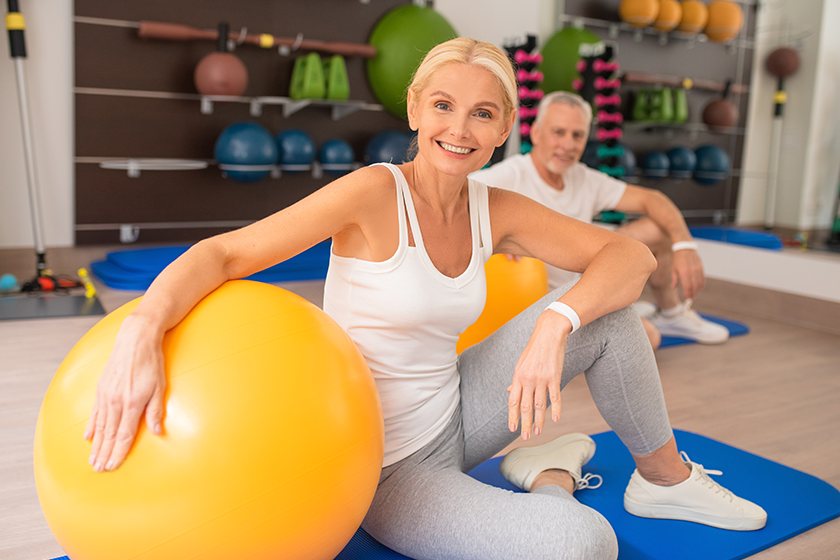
603,134
581,66
577,84
524,76
604,117
601,66
601,100
521,57
603,83
524,129
525,93
525,112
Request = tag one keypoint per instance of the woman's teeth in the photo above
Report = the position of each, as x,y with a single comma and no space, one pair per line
454,149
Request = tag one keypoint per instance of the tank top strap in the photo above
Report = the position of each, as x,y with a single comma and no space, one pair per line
404,202
479,198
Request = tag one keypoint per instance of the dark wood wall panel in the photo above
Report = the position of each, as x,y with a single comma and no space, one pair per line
131,127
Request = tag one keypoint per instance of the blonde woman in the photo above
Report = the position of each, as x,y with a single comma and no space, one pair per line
406,277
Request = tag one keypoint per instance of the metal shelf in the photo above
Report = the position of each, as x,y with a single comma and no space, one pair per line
339,109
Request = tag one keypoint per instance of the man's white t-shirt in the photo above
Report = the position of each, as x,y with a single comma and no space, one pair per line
586,192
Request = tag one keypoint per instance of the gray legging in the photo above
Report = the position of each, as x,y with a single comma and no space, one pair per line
426,507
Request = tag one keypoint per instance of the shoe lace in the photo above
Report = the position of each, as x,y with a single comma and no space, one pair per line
706,480
585,482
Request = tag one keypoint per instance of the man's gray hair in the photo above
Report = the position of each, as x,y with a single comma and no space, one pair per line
564,98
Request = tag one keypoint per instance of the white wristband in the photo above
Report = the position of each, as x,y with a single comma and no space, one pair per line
566,312
680,245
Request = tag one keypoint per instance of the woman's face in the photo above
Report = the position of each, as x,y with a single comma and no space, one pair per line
459,119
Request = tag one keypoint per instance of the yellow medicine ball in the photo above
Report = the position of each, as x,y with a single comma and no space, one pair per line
272,444
694,16
670,13
512,286
725,21
638,12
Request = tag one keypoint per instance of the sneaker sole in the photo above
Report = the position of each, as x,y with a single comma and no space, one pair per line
684,514
509,462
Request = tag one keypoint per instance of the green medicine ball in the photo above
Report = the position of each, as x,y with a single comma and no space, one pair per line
560,58
402,38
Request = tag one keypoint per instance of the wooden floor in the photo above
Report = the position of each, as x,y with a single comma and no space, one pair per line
774,392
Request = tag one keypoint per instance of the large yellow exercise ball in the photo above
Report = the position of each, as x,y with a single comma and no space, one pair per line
725,21
695,14
272,444
670,14
512,286
638,13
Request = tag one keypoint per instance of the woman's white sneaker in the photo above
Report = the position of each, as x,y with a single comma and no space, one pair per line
699,499
569,452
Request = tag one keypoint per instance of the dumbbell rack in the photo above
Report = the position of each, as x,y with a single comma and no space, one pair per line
600,86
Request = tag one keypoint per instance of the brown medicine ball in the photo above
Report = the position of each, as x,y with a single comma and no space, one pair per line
783,62
721,113
638,13
221,73
725,21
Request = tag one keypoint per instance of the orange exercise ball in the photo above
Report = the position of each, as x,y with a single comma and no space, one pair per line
512,286
221,72
670,13
695,14
638,13
272,444
725,21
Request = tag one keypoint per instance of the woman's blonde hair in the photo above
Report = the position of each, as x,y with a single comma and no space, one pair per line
472,53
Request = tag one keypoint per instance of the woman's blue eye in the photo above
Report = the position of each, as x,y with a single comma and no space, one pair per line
485,115
441,105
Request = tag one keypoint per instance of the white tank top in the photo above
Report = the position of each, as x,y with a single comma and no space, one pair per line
405,316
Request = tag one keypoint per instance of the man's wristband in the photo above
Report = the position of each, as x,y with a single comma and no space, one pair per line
566,312
680,245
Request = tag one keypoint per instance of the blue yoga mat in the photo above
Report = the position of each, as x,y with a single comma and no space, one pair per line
135,269
735,329
750,238
794,501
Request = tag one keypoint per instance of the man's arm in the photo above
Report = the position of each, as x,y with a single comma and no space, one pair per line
687,267
657,207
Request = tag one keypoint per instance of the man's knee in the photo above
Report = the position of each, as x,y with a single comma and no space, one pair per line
648,232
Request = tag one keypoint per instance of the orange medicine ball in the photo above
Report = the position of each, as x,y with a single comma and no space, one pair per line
694,16
670,13
638,12
272,444
725,21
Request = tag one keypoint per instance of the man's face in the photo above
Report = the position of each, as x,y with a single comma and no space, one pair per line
560,138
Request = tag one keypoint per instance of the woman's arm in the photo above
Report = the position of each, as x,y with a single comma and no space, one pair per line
615,269
133,381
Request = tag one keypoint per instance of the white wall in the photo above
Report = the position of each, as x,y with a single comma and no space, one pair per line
495,20
809,164
49,70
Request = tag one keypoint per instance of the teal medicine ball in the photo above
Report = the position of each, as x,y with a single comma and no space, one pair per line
402,38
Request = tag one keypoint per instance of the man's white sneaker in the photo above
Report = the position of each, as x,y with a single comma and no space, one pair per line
645,309
689,324
568,452
699,499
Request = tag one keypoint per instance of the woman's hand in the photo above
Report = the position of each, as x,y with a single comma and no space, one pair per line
538,373
132,383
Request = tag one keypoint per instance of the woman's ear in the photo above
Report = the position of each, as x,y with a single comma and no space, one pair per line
411,110
507,129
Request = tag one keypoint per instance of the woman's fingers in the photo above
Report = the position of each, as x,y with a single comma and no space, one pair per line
554,396
515,391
